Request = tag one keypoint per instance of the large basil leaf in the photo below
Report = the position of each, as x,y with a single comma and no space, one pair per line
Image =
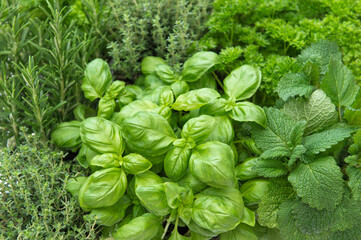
179,88
149,64
213,164
134,163
215,108
85,156
195,99
222,130
248,112
176,162
133,108
148,133
103,188
102,136
97,79
242,82
218,210
207,81
254,190
149,188
106,160
108,216
144,227
166,73
67,135
197,65
241,232
198,128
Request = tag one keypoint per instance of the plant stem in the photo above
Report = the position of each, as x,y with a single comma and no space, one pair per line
217,79
166,229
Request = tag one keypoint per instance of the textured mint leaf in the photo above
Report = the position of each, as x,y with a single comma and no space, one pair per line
279,189
353,114
318,183
339,84
320,142
288,227
270,168
294,84
318,111
312,221
320,54
354,182
350,234
277,133
276,152
297,133
297,153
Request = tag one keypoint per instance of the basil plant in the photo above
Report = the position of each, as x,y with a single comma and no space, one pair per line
164,153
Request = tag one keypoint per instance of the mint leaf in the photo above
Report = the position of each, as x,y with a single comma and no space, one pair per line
350,234
339,84
320,142
354,182
275,153
320,54
353,114
318,183
294,84
278,130
270,168
278,190
318,111
297,152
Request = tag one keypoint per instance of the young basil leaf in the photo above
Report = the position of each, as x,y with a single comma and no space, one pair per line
148,133
195,99
114,90
253,191
144,227
198,128
74,184
97,79
249,217
206,81
215,108
152,82
179,88
196,66
176,162
149,188
85,156
149,64
218,210
106,160
174,194
166,73
222,130
102,135
244,170
67,135
81,112
103,188
134,163
242,82
213,164
188,180
166,98
248,112
133,108
106,108
108,216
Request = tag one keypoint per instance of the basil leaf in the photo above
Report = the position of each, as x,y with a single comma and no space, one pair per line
106,108
149,64
254,190
179,88
242,82
166,73
67,135
102,136
248,112
74,184
195,99
106,160
114,90
134,163
148,133
176,162
213,164
198,128
103,188
197,65
97,79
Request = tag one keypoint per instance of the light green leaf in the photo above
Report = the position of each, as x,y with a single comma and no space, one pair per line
270,168
102,136
74,184
67,135
241,232
179,88
196,66
318,183
176,236
339,84
166,73
254,190
176,162
106,160
148,133
320,142
106,108
243,82
249,217
294,84
97,79
134,163
318,111
199,128
222,130
248,112
149,64
195,99
114,90
354,182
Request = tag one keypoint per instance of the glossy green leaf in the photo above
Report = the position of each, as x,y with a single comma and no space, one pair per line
148,133
144,227
176,162
103,188
150,63
222,130
244,171
174,194
106,108
97,79
102,136
215,108
85,156
198,128
114,90
197,65
195,99
67,135
176,236
166,73
179,88
241,232
242,83
253,191
248,112
206,81
106,160
74,184
134,163
188,180
213,164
